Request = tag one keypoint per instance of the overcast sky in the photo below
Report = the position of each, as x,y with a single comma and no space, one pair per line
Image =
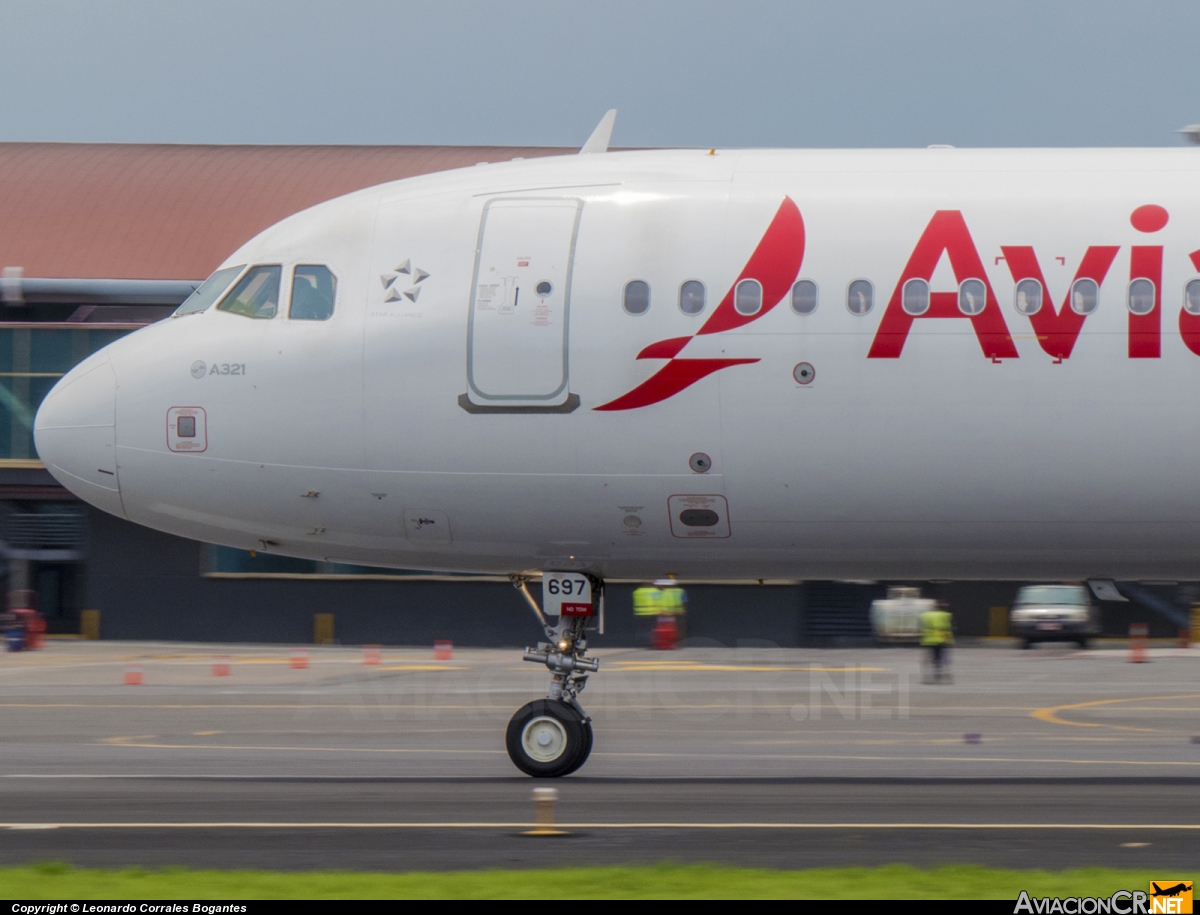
542,72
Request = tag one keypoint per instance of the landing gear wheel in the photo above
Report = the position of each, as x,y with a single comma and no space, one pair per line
585,750
547,738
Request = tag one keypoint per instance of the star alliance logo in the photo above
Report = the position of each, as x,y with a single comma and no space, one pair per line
391,282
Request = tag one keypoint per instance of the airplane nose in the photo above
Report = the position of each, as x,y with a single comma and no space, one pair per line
75,434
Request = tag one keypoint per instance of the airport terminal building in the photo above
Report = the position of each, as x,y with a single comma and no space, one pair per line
98,240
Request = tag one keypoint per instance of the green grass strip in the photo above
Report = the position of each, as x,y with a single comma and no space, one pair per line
664,881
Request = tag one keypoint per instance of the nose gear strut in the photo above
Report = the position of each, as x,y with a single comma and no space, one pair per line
551,737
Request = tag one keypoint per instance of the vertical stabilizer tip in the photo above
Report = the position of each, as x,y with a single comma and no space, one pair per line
598,141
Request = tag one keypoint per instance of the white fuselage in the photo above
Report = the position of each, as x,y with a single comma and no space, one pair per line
445,417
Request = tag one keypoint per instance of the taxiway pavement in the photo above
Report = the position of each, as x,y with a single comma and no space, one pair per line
756,756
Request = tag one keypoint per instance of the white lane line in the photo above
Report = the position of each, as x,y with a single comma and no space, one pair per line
650,825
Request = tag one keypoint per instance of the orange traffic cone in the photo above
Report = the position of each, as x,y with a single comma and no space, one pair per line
443,651
371,655
133,674
221,666
1137,643
299,659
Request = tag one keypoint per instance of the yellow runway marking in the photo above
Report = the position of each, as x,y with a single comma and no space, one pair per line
141,743
129,742
206,733
604,708
422,667
643,825
697,665
1050,714
953,759
232,706
929,741
63,663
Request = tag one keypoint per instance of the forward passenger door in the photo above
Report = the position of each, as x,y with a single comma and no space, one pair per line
519,319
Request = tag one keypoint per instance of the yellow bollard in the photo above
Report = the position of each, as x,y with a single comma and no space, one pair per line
998,622
543,810
89,624
323,628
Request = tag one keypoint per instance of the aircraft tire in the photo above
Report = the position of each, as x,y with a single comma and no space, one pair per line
547,738
584,751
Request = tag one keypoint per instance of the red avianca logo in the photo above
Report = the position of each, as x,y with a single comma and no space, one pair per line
776,262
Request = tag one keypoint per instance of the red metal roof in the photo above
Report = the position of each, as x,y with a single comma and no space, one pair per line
124,211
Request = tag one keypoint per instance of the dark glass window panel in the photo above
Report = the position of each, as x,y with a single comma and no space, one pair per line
314,289
804,297
747,298
691,297
916,297
256,295
637,297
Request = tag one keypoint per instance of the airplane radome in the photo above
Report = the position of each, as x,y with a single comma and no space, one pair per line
853,364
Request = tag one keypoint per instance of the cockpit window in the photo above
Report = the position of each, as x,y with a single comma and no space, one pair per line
256,295
209,291
313,290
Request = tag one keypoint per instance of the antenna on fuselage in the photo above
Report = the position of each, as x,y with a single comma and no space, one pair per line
598,141
1191,133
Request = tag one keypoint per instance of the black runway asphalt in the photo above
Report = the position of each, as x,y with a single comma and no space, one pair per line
772,758
440,824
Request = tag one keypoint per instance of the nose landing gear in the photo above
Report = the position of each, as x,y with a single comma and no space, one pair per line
547,738
552,737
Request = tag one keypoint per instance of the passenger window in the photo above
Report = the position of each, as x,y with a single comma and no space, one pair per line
1085,295
747,298
313,290
804,297
860,297
691,297
209,291
1191,298
256,295
1029,297
1141,297
916,297
637,297
972,297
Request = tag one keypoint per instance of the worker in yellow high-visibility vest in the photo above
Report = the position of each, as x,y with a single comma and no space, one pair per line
647,604
647,601
674,604
937,634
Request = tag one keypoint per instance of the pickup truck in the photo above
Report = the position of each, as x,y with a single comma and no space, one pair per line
1054,613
